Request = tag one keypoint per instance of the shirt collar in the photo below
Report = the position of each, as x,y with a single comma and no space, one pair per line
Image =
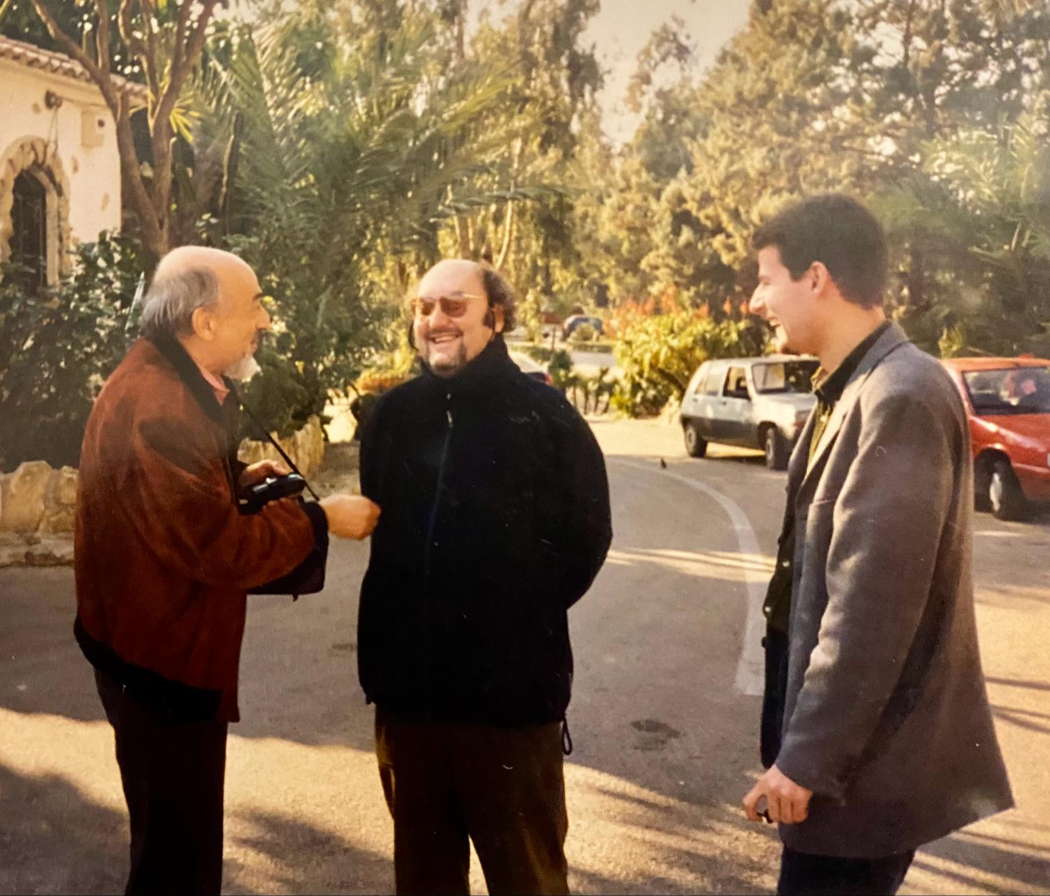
218,386
829,386
190,373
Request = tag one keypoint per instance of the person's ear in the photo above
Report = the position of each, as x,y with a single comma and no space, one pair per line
819,276
202,322
496,318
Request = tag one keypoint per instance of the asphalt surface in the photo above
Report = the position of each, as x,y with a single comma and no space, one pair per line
664,715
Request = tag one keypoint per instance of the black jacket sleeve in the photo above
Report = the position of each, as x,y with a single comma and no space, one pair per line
582,538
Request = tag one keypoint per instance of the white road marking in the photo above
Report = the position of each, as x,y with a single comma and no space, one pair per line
750,677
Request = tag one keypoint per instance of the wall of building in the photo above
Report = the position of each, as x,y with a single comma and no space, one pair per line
91,173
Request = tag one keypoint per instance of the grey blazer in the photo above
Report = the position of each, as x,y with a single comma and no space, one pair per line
886,716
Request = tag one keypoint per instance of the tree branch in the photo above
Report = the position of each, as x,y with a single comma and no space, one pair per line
102,36
184,55
180,37
136,46
72,48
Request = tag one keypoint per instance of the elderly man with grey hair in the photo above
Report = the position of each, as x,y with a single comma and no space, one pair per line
165,556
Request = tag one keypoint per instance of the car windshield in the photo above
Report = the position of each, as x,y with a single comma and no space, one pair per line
784,376
1014,390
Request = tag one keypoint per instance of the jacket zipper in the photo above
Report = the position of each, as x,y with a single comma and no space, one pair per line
427,548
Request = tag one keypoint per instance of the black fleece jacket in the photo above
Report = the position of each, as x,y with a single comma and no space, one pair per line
495,520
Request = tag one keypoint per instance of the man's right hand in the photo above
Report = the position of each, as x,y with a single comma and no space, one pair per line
350,516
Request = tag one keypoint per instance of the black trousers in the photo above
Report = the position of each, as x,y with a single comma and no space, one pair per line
802,874
501,787
173,773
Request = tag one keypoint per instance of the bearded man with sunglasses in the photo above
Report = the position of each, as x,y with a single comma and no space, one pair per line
495,521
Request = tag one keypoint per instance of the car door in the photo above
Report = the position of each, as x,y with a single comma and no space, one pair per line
707,400
734,408
691,398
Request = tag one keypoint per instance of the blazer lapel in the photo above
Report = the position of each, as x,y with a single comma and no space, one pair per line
799,458
891,339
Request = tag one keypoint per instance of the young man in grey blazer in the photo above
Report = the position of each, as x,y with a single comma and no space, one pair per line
876,731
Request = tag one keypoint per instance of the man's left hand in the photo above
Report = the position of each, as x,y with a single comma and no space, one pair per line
258,471
786,801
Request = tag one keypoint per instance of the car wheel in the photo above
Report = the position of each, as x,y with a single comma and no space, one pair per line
1004,492
695,444
775,447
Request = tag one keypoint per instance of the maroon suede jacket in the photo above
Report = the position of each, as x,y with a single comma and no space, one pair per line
163,556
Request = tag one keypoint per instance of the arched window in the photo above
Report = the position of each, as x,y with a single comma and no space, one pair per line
29,232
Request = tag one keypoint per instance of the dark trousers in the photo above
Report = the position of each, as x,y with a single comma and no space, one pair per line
501,787
802,874
774,695
173,773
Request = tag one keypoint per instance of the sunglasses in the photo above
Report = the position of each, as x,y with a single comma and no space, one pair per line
452,306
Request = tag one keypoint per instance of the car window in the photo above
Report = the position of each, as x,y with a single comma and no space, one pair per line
697,382
736,383
784,376
713,383
1013,390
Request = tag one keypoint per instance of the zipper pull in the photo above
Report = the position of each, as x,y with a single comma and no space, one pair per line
448,408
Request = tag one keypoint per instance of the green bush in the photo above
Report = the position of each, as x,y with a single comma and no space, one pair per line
559,366
58,347
658,354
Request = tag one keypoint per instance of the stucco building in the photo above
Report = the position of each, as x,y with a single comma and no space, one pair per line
60,179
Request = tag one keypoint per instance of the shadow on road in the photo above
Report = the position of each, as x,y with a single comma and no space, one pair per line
85,844
965,855
297,857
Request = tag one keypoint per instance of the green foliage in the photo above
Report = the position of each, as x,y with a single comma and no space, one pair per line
972,227
559,366
59,347
358,149
934,111
658,354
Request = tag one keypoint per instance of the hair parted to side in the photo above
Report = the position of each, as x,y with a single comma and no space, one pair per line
839,232
500,295
172,298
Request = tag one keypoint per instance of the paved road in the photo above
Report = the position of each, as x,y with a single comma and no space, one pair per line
662,717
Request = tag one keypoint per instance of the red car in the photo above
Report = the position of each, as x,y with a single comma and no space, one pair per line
1008,403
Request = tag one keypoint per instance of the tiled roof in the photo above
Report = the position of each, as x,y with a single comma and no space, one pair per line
48,61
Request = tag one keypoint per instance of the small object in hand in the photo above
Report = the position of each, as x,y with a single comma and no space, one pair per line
272,488
762,809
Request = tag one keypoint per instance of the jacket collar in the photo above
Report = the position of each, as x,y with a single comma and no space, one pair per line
477,376
800,469
190,374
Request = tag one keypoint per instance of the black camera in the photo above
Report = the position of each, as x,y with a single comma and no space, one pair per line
272,488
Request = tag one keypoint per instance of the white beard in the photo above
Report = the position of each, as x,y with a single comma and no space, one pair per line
243,370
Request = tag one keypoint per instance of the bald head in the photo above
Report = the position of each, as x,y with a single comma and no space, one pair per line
209,300
188,278
460,269
186,258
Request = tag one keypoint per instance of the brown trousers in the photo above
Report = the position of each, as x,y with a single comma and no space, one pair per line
501,787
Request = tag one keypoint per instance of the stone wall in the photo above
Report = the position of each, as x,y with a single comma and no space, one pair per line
305,447
38,503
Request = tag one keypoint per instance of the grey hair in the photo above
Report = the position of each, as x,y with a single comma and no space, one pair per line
172,298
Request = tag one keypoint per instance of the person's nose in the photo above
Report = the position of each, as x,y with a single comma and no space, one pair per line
755,304
264,320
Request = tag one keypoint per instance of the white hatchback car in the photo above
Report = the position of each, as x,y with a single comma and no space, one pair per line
752,402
